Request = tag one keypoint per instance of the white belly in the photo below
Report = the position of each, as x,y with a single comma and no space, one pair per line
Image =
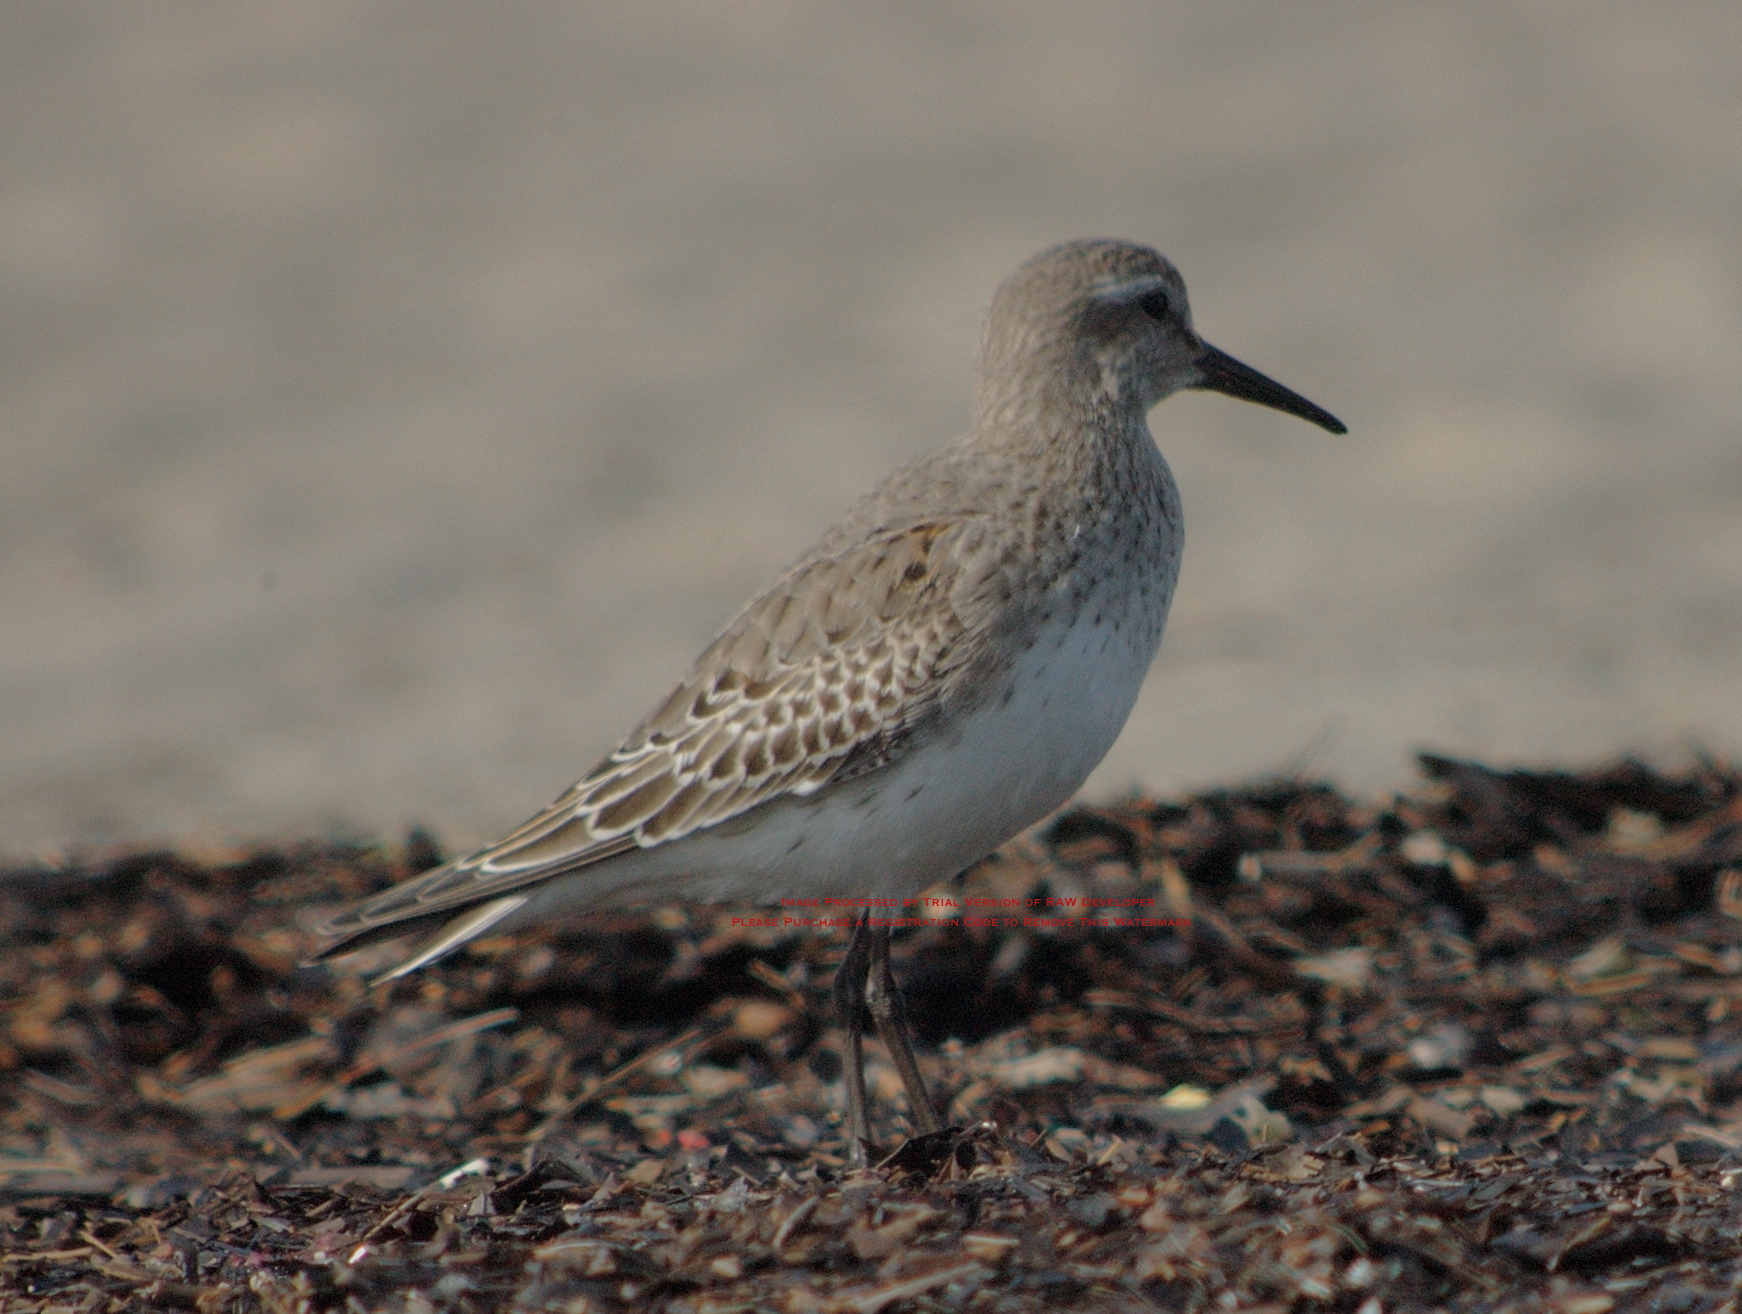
949,802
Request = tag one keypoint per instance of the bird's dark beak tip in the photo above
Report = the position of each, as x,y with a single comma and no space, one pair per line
1220,372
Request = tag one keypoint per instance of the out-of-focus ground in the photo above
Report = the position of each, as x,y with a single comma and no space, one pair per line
393,399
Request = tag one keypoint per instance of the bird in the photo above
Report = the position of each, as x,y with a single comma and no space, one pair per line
940,671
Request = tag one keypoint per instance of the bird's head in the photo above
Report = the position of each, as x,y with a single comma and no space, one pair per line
1104,322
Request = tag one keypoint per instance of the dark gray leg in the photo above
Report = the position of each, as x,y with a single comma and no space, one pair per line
850,1000
883,1002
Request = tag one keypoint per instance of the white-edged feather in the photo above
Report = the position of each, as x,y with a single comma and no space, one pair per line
468,926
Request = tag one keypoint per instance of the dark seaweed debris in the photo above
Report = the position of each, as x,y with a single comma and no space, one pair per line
1478,1049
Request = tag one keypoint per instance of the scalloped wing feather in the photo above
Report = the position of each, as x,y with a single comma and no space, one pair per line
826,674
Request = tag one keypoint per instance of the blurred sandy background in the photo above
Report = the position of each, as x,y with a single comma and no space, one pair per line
394,398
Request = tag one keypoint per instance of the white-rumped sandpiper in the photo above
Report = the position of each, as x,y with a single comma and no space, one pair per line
943,669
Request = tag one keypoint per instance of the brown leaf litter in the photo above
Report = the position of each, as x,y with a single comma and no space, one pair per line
1478,1049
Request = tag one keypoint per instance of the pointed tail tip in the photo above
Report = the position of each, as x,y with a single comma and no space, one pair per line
454,934
335,940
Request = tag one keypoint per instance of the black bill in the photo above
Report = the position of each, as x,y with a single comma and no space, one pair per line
1220,372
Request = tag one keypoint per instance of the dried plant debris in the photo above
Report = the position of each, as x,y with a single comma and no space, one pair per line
1478,1049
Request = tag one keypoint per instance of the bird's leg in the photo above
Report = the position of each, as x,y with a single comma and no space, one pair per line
850,1000
883,1002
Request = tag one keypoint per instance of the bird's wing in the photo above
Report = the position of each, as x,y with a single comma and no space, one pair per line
824,676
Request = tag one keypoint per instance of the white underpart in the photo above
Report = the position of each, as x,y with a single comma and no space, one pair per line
991,774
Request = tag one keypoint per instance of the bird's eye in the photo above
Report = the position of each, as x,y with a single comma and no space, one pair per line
1155,305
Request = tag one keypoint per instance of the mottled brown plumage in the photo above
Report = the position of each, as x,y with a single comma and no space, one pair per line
943,668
